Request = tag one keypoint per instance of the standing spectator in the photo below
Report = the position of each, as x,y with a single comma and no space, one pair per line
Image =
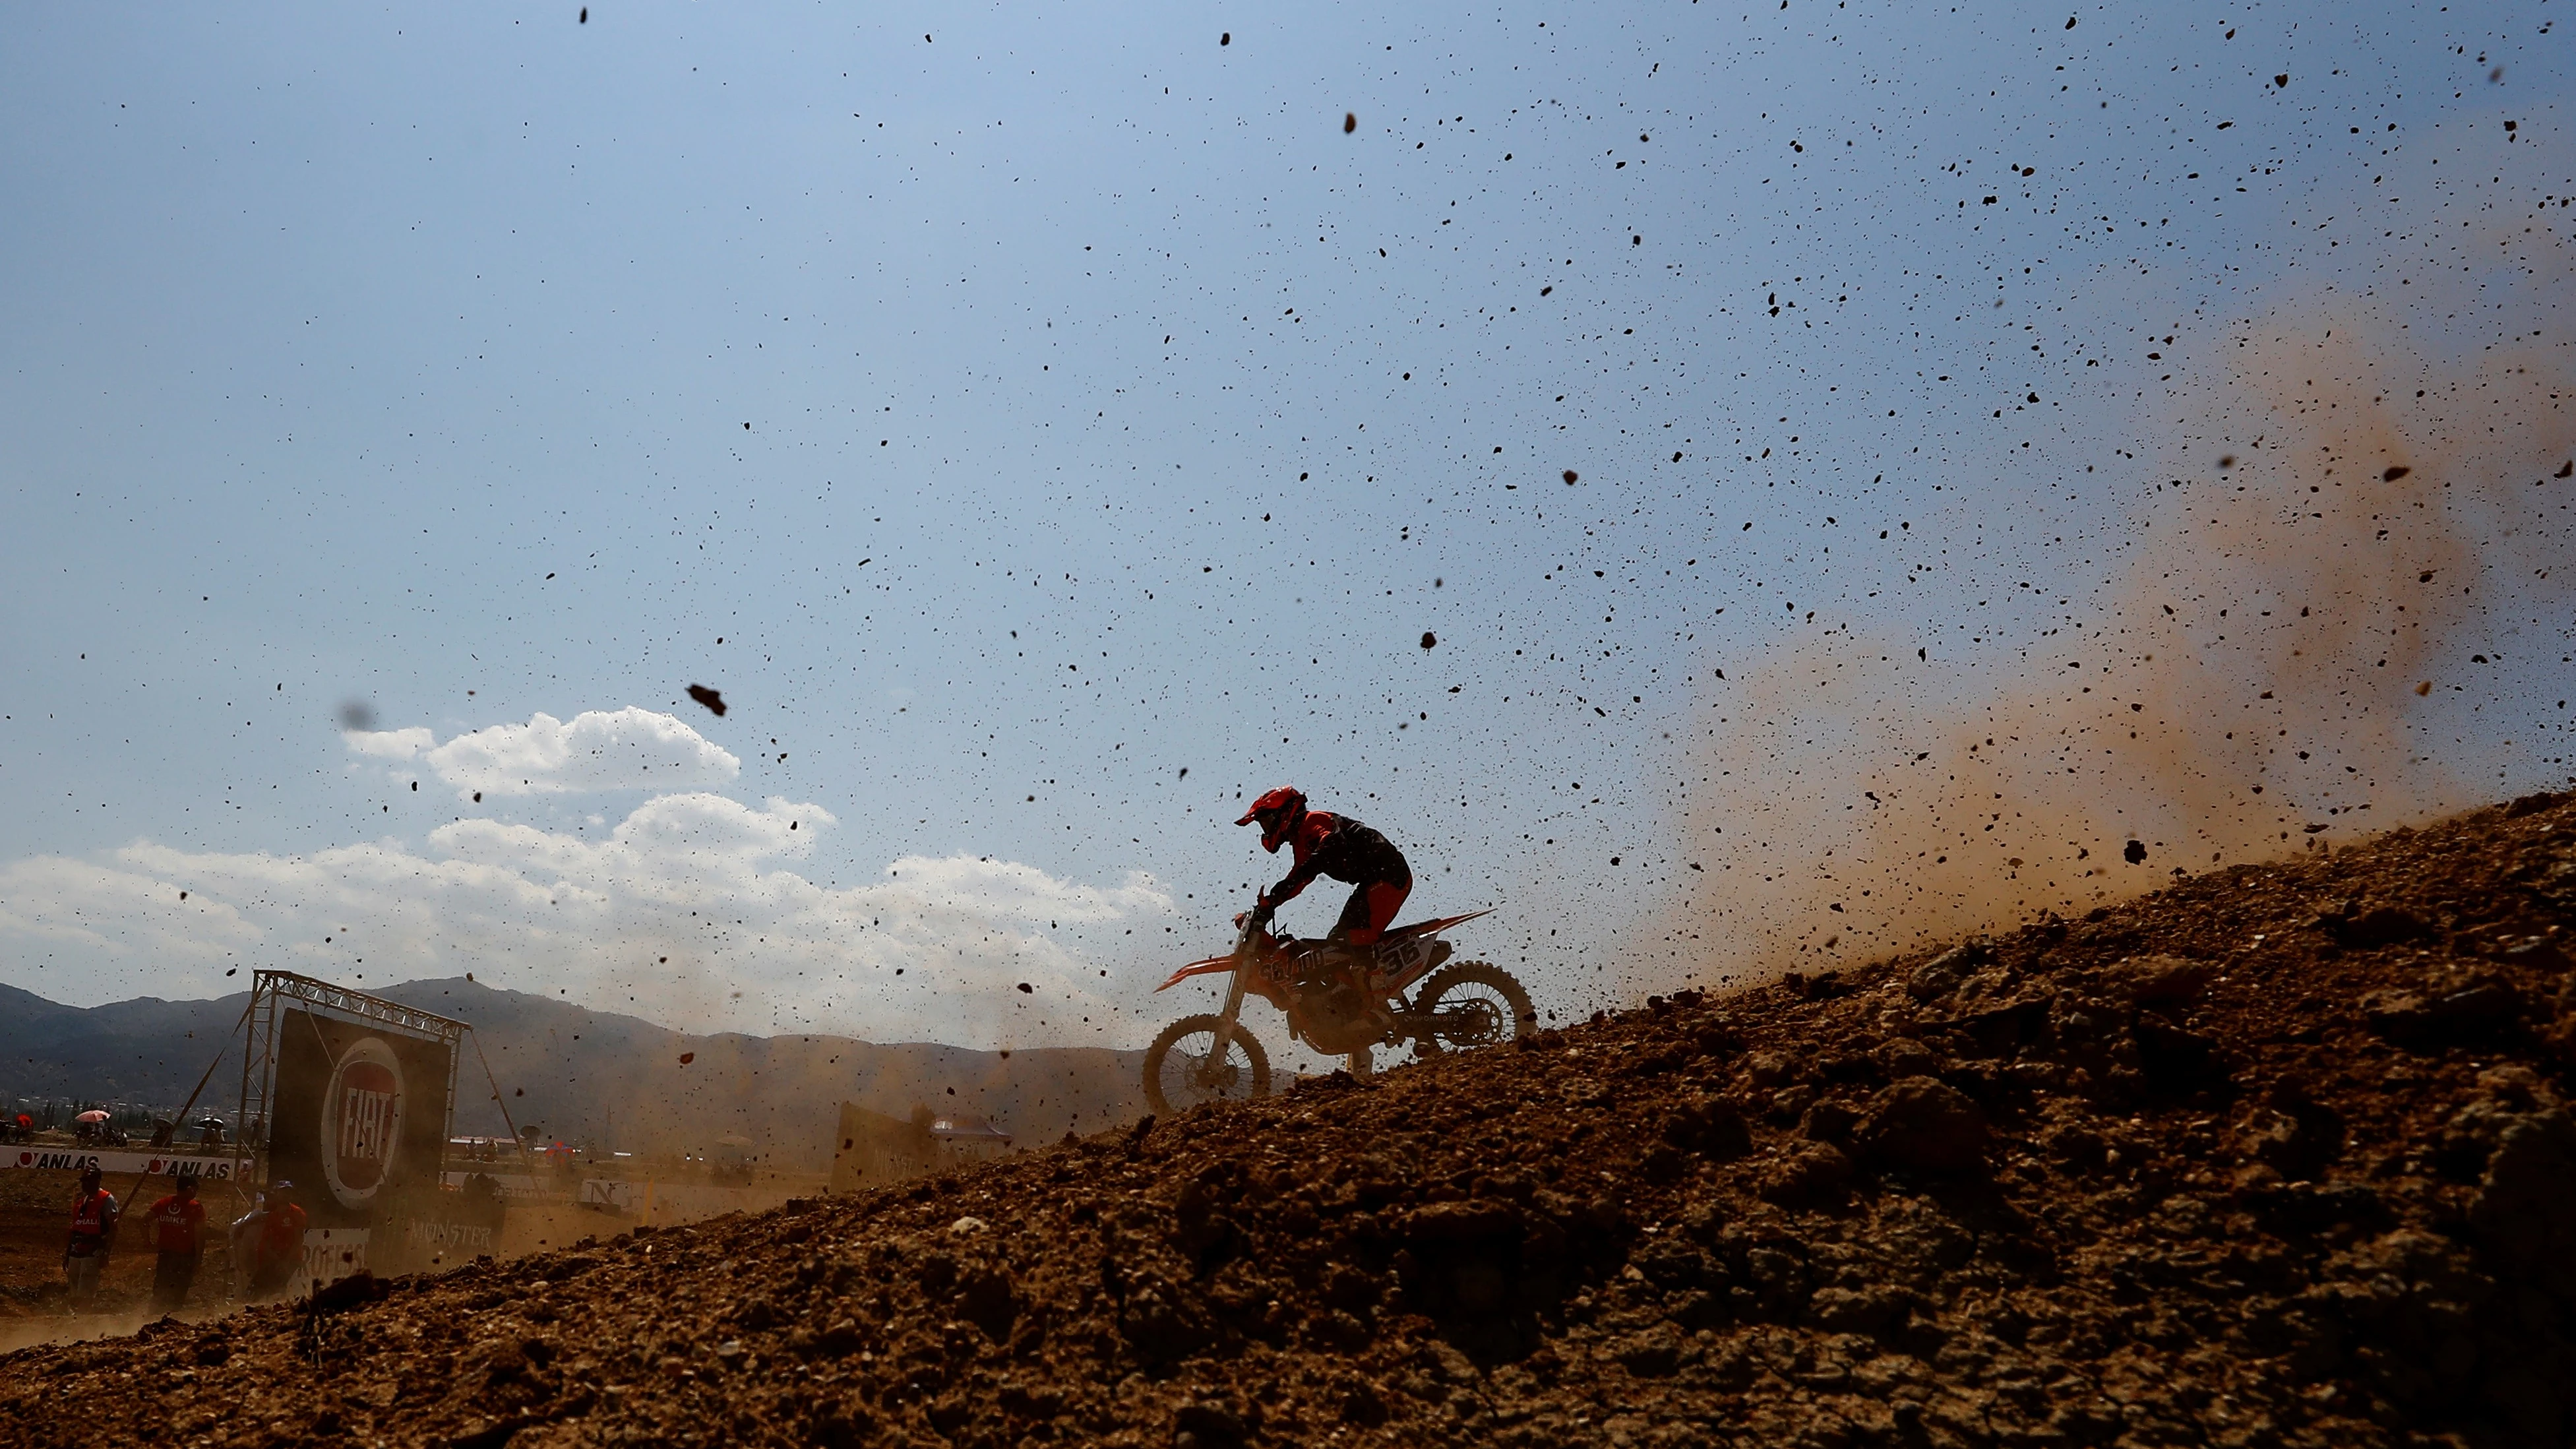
241,1244
482,1201
178,1243
93,1229
281,1242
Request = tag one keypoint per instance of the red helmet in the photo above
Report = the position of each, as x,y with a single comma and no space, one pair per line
1279,811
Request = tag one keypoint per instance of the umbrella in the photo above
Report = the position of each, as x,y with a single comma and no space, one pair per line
92,1115
210,1121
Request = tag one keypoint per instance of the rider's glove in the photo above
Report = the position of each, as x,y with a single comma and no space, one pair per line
1262,906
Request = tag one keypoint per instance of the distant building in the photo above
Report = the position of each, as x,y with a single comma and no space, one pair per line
874,1149
732,1159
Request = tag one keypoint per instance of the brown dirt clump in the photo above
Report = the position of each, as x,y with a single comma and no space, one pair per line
2277,1156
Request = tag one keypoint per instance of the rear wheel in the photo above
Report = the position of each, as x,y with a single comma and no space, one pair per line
1469,1005
1186,1067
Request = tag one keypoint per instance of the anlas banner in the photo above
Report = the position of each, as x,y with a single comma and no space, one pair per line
360,1121
143,1164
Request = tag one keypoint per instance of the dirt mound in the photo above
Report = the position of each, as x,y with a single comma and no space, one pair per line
2276,1156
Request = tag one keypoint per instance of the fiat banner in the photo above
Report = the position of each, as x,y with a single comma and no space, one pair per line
360,1120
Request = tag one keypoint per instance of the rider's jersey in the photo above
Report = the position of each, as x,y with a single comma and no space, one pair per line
1340,847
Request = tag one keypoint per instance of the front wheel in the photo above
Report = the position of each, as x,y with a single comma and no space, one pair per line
1185,1066
1471,1004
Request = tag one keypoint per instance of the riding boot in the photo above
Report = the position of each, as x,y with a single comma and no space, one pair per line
1360,963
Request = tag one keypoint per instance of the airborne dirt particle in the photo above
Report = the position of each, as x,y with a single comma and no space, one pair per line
2134,852
1428,639
1350,122
712,699
1570,476
686,1057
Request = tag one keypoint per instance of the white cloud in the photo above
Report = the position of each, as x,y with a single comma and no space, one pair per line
391,744
623,749
687,911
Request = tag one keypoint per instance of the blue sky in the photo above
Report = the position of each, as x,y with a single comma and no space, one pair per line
1015,401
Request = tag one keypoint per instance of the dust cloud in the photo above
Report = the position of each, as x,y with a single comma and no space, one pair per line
2336,603
621,1083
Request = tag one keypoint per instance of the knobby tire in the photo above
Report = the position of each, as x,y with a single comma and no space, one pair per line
1257,1072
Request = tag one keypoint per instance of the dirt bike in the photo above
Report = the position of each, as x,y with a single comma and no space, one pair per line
1457,1008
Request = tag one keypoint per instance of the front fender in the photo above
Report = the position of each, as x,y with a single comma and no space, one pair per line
1209,966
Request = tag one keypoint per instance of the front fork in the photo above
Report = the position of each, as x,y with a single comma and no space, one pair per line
1243,955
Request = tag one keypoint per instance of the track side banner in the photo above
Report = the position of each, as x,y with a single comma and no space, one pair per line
330,1254
511,1186
360,1120
146,1164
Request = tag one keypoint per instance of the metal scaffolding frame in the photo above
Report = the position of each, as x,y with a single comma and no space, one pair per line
271,993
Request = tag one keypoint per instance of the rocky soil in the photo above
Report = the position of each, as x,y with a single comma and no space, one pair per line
2276,1156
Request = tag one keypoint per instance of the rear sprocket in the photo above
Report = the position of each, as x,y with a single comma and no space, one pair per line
1470,1004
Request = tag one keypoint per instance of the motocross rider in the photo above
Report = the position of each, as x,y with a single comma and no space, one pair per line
1346,850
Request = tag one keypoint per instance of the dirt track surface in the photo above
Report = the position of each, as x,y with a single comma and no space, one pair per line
2277,1156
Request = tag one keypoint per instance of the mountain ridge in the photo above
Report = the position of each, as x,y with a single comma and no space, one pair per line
596,1078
